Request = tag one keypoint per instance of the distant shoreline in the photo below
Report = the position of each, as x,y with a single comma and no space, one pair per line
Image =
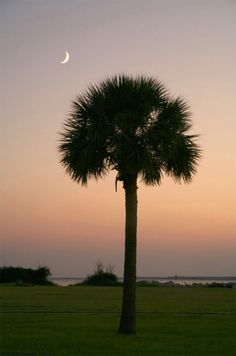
176,280
213,278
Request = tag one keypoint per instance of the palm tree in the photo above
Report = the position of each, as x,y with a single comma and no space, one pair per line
133,126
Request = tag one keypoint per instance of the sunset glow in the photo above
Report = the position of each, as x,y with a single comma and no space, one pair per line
48,219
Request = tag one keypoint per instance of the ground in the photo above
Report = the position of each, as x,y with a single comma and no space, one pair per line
84,320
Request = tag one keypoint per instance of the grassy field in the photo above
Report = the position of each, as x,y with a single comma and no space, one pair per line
83,321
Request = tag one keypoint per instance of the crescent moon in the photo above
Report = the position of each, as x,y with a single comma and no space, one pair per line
67,57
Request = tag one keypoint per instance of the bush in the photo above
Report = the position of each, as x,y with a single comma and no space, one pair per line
102,276
24,276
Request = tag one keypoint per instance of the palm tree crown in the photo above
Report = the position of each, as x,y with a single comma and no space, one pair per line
133,126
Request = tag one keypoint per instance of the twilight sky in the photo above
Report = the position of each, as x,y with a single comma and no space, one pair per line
48,219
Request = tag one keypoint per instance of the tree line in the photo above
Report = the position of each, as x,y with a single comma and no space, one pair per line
22,275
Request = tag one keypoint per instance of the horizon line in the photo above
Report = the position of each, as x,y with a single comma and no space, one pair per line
160,277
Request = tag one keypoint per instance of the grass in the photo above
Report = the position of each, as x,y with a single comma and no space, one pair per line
83,321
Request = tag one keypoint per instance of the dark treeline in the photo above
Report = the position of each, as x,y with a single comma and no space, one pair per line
25,275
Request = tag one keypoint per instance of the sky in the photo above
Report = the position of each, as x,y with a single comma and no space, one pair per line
46,218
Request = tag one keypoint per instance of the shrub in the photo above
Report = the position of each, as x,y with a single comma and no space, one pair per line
102,276
20,275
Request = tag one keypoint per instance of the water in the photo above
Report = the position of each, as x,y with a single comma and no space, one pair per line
177,280
65,281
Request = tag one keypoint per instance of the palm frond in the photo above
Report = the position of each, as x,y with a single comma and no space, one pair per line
131,125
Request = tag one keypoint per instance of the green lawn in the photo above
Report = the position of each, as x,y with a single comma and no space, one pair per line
83,321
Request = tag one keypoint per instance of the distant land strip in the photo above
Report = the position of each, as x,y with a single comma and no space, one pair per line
222,278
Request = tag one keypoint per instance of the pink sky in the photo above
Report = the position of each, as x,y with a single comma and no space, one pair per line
48,219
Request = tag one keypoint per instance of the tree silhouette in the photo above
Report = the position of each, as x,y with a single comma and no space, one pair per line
133,126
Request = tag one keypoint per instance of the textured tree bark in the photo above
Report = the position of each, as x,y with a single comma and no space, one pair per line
128,313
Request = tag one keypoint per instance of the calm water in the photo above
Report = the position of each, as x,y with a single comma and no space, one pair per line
188,281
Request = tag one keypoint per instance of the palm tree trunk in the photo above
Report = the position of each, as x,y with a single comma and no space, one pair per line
128,313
